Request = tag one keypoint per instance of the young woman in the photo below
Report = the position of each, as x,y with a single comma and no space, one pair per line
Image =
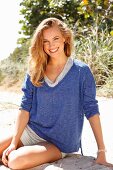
58,91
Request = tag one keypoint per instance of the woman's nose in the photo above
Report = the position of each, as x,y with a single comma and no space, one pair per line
51,44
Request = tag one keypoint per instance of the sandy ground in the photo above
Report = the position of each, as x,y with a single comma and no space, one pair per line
9,102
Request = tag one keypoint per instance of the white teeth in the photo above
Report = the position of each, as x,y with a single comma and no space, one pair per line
52,51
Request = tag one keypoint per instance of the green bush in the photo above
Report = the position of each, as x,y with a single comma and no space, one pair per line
1,76
96,49
14,67
92,46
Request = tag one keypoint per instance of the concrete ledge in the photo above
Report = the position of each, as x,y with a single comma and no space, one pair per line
72,162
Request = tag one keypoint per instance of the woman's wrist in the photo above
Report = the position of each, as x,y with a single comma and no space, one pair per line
101,150
14,142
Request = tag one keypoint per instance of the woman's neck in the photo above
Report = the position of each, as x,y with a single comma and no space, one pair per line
57,62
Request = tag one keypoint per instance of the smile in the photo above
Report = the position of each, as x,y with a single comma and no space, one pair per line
54,50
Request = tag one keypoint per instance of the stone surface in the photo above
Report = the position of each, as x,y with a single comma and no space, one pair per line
72,162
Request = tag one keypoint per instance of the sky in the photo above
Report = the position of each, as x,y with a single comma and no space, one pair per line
9,26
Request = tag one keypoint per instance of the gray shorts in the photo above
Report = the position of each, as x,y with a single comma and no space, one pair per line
29,137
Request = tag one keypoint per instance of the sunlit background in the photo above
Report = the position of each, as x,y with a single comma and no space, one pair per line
91,46
9,26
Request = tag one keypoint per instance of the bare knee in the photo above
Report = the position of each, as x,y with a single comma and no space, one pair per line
15,161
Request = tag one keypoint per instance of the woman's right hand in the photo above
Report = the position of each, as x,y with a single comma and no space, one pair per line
6,153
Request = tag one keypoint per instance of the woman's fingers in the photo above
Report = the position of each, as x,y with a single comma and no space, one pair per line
104,163
108,164
5,158
6,153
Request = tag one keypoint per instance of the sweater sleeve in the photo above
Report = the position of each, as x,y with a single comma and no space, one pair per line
90,104
27,88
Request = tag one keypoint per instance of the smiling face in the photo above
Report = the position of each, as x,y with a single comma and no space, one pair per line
53,42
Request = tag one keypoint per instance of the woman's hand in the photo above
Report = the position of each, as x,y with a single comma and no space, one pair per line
6,153
101,159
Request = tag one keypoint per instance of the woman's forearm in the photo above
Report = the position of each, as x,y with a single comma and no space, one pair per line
21,122
97,130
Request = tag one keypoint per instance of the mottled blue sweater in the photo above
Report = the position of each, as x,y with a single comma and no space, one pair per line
57,113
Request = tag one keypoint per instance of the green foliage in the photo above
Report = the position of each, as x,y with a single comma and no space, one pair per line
1,76
92,23
11,72
34,11
65,9
20,53
14,67
95,14
96,49
76,13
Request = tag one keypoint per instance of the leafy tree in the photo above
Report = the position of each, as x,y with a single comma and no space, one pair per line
66,9
92,21
96,12
78,14
34,11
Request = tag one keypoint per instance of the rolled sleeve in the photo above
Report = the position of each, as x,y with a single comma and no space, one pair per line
90,104
26,101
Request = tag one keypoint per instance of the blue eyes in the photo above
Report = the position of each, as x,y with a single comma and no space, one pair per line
55,39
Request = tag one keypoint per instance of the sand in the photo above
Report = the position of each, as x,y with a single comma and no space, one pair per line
9,102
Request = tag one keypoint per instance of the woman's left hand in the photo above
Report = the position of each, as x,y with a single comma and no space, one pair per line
101,159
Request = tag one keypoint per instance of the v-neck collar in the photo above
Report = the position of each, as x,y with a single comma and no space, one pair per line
65,70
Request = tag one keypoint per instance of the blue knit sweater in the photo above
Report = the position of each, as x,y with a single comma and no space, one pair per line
57,113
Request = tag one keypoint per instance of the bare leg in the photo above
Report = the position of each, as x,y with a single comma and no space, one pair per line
31,156
5,142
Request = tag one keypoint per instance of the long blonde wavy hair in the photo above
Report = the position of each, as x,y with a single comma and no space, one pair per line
38,58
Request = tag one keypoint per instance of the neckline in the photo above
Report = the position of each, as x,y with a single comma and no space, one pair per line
62,72
60,82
